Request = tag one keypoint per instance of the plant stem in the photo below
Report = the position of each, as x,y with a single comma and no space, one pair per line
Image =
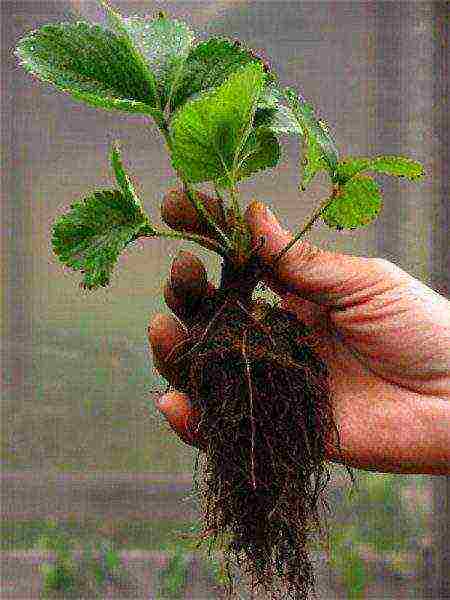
192,237
235,219
235,204
240,231
219,195
192,196
191,193
308,224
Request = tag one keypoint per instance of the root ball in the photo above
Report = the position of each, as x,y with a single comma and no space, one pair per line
264,400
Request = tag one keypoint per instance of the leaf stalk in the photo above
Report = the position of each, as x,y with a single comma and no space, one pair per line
316,214
191,237
191,194
240,230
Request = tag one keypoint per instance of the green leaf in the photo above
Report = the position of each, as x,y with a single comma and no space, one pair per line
209,135
320,152
312,162
57,577
90,63
273,115
112,560
356,205
208,65
165,44
172,579
122,178
279,120
91,236
262,151
272,96
127,188
161,44
399,166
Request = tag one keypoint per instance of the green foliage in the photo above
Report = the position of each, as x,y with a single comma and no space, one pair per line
359,201
347,562
357,204
208,65
220,109
90,63
91,236
387,165
320,152
134,205
278,119
211,136
261,151
387,528
374,519
273,113
161,44
354,573
57,577
187,540
53,541
77,578
219,572
108,566
180,69
138,64
122,178
111,559
172,579
61,575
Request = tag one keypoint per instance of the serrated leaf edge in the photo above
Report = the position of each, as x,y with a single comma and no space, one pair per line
371,166
117,24
67,257
210,94
341,189
95,100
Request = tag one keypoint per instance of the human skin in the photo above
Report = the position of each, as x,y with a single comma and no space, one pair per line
384,335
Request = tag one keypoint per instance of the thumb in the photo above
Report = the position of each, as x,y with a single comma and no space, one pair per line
330,279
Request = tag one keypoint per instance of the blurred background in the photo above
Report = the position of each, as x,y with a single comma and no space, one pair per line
84,454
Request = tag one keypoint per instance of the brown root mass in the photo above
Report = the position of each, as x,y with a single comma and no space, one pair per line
265,411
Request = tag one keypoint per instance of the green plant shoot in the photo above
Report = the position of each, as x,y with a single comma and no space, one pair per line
222,113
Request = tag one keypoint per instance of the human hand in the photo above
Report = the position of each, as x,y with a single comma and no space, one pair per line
385,337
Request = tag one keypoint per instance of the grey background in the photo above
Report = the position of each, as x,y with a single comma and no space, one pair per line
77,378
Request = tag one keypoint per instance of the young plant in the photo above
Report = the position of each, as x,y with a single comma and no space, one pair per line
250,369
173,577
59,576
70,576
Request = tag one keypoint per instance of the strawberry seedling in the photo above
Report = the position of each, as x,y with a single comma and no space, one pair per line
250,369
